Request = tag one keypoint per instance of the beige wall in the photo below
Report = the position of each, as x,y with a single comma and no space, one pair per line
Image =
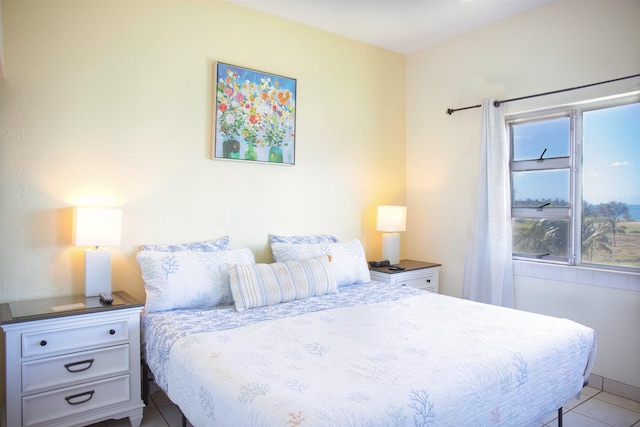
561,44
111,102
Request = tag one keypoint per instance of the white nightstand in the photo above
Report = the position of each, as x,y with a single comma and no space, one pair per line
71,361
418,274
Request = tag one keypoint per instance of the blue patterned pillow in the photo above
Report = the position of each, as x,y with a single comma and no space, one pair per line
299,240
259,285
219,244
188,279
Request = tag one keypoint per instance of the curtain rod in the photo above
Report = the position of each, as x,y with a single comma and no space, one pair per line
450,111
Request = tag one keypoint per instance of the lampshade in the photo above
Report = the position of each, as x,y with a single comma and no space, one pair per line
97,227
391,218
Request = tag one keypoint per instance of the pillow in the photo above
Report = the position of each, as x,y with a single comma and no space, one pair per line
258,285
219,244
188,279
314,238
348,263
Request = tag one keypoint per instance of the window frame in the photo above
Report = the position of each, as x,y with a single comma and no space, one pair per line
573,213
555,163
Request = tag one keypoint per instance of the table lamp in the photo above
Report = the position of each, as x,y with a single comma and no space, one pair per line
391,219
97,227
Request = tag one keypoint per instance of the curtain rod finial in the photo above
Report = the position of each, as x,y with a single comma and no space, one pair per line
449,111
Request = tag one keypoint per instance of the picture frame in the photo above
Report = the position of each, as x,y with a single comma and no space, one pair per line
254,116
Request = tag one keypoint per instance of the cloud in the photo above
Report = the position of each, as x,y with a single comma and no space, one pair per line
625,163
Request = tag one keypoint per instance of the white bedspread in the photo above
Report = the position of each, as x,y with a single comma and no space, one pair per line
160,330
422,360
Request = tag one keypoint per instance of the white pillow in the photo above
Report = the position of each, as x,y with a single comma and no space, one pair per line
348,261
258,285
189,279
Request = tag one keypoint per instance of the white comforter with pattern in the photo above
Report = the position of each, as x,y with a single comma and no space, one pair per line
422,360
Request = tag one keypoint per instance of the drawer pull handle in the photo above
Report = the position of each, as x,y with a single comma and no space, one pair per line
43,343
112,331
88,362
428,280
89,395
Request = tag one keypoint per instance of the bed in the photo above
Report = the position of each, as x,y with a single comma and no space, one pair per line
362,354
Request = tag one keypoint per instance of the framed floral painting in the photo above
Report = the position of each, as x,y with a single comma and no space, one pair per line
255,116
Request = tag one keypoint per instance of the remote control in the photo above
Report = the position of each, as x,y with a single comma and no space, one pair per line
395,267
106,298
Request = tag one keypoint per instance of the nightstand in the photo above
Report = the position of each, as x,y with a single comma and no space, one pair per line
418,274
71,361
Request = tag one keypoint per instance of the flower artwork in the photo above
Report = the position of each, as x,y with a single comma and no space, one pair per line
255,115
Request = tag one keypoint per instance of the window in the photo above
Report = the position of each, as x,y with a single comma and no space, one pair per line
575,185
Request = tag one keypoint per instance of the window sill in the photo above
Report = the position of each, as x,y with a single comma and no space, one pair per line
581,275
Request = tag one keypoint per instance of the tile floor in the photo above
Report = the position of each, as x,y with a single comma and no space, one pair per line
595,408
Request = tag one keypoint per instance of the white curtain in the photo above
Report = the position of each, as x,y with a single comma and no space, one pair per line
488,272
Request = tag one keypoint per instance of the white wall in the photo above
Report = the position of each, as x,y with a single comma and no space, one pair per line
559,45
111,103
613,313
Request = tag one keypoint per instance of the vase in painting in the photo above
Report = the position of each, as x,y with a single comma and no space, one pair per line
250,154
275,155
231,149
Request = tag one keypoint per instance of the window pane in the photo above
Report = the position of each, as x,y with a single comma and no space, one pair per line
531,139
611,186
537,237
537,188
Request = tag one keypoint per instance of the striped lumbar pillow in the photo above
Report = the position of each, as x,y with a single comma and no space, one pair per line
258,285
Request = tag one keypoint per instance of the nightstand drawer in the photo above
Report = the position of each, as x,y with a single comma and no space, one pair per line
427,282
47,407
72,338
62,371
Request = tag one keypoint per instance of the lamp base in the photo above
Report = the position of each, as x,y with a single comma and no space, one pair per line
391,247
97,271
